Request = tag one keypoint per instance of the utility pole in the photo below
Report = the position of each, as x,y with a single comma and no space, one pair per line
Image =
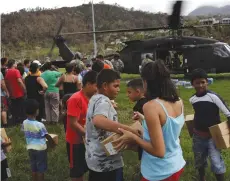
94,34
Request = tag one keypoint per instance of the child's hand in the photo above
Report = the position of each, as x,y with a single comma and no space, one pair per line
136,131
41,92
7,142
52,145
50,141
138,117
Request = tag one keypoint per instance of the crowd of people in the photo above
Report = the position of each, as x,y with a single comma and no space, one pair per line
85,100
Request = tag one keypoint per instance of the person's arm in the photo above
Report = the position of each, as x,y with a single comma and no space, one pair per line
156,146
223,107
60,81
21,84
54,68
20,81
4,88
78,83
76,126
50,140
122,64
101,121
42,83
73,113
44,133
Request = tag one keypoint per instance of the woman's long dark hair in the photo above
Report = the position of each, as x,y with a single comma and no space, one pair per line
159,83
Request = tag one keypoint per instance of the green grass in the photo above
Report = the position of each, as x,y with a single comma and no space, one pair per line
57,159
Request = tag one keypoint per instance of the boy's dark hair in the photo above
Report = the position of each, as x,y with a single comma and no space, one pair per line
33,68
20,65
26,61
31,106
198,74
100,57
89,77
21,69
11,62
77,69
107,76
135,84
98,66
69,67
159,83
3,60
47,66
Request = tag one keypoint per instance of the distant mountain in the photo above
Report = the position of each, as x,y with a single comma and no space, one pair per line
210,10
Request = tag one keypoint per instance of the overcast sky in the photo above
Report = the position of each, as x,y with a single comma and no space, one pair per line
146,5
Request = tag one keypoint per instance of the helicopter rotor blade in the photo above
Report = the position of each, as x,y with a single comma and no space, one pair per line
141,29
58,32
174,20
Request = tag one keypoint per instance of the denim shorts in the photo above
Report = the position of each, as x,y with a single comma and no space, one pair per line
204,148
38,160
115,175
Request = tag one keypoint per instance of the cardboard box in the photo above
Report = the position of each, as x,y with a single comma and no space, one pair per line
6,140
190,123
221,135
54,137
109,146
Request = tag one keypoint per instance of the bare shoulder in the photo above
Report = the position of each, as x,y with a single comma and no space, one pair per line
150,105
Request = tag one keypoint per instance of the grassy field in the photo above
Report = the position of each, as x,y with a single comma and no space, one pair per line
57,159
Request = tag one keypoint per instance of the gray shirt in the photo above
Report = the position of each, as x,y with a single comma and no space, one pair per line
118,65
96,158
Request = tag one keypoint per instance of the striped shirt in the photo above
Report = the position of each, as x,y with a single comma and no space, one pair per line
35,134
206,109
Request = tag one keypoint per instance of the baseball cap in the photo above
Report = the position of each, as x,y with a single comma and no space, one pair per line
37,62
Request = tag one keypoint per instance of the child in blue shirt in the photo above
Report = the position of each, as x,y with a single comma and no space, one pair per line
36,135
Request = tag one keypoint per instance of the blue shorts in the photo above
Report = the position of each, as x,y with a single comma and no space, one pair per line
115,175
38,160
204,148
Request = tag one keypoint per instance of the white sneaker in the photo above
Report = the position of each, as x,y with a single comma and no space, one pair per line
43,120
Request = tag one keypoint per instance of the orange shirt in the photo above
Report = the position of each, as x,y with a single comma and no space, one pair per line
38,73
77,106
106,66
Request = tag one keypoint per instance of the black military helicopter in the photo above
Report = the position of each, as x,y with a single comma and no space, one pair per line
197,52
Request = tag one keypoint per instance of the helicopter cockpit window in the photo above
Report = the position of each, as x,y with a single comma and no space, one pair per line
227,47
222,51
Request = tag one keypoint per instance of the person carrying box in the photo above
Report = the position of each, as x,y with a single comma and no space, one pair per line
36,135
102,122
206,105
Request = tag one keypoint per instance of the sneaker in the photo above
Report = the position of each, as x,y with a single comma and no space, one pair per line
43,120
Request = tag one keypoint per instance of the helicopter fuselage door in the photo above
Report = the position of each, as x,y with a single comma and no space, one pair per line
199,58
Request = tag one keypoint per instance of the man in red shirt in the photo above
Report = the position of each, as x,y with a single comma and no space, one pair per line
77,106
17,91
